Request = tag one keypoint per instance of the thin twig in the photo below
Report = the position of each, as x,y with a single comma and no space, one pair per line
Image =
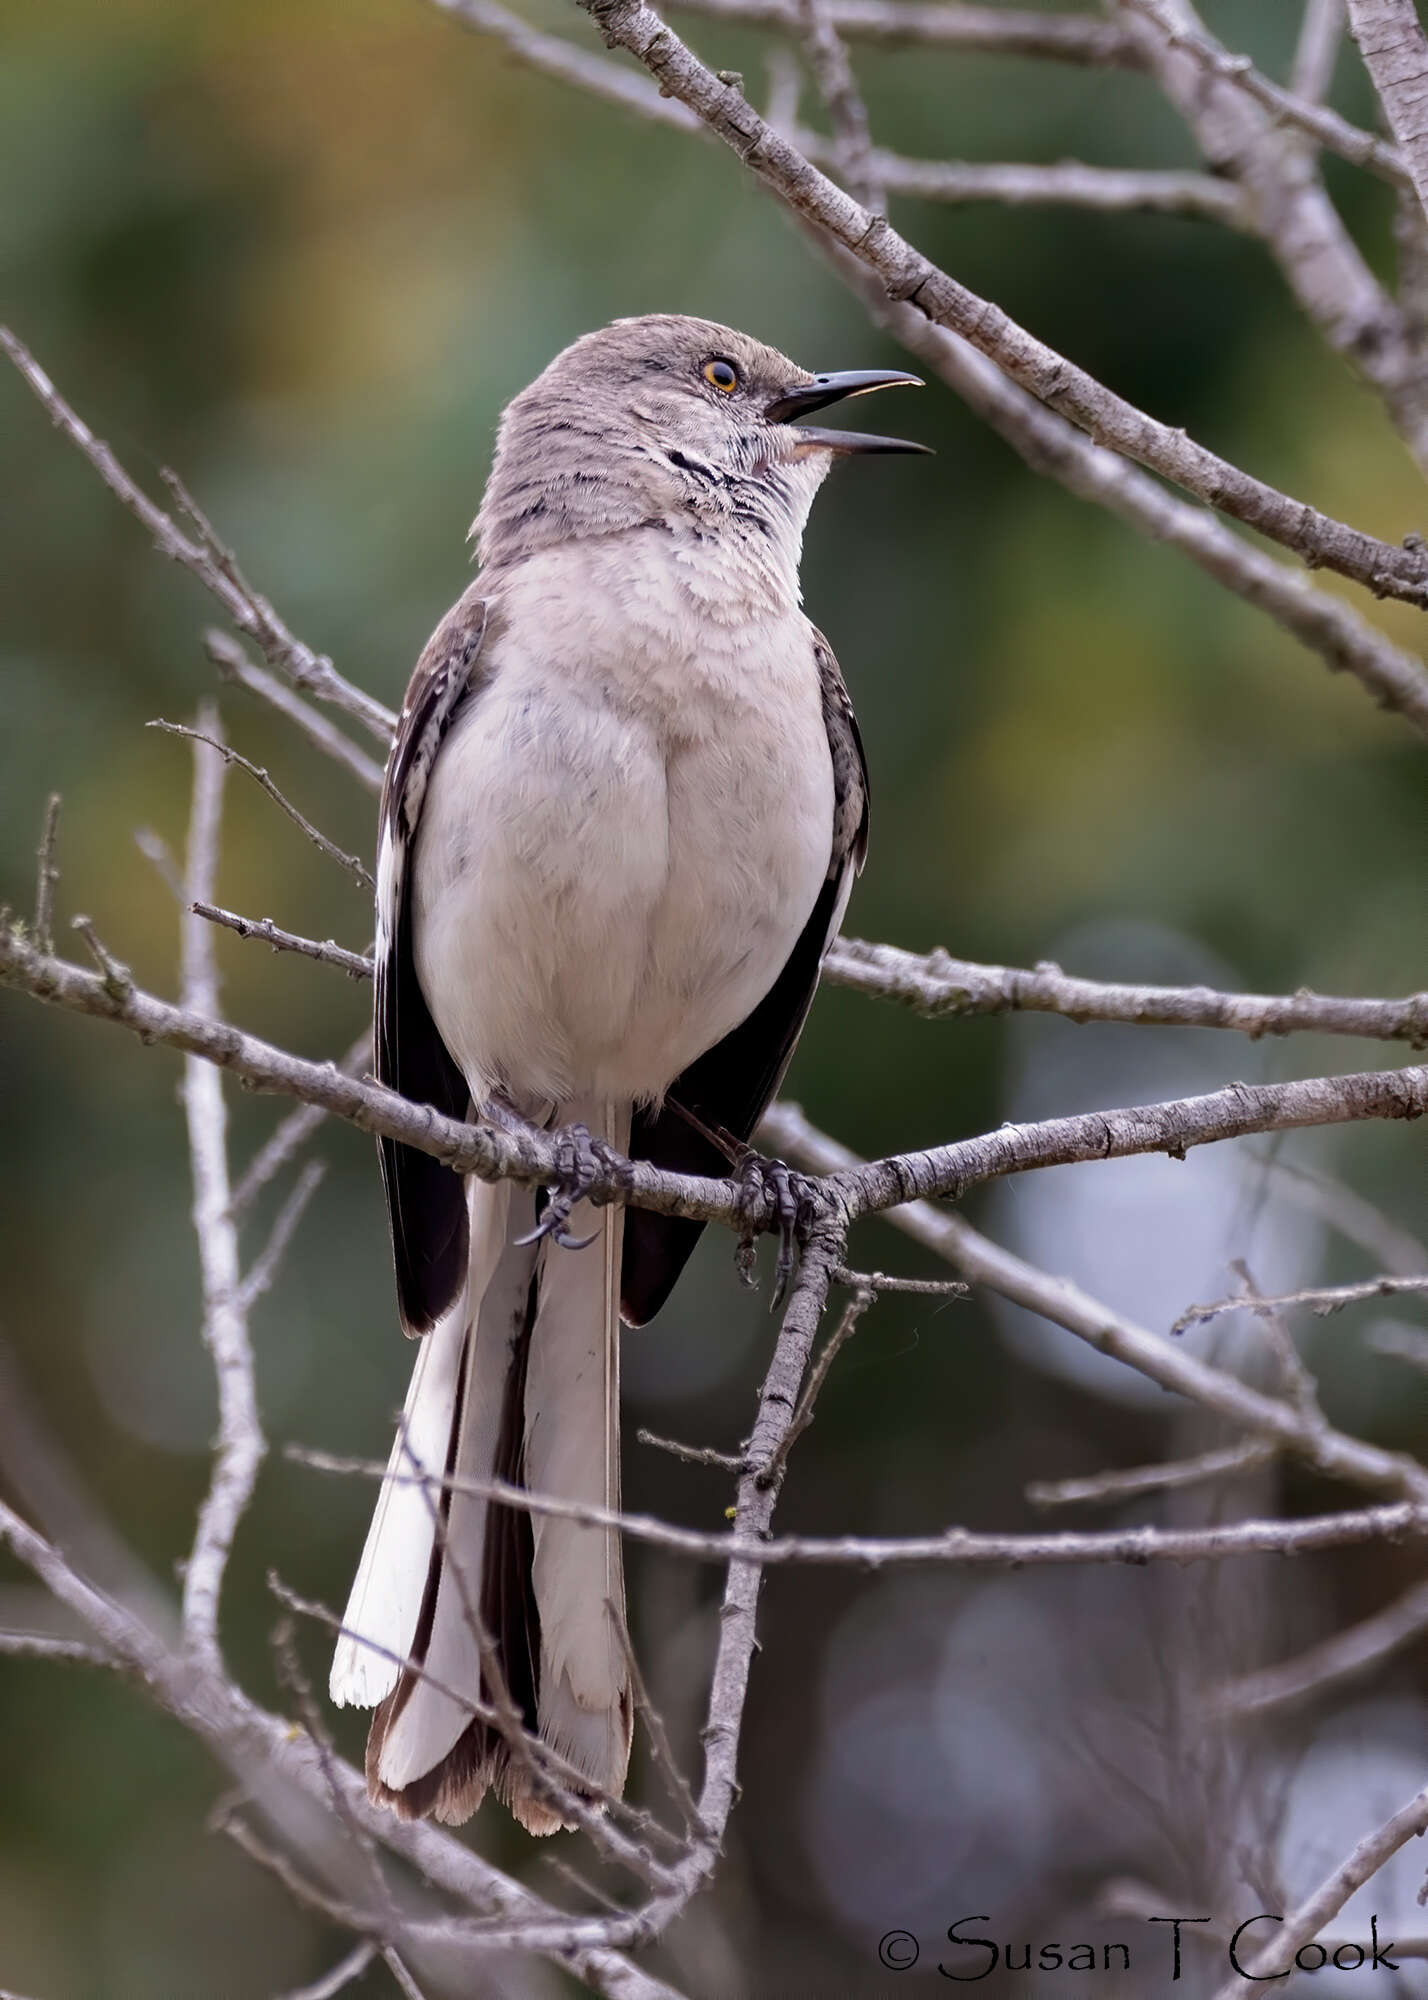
692,1454
47,875
788,1133
264,1267
250,612
959,1547
157,852
1070,38
1404,1343
1017,184
293,1132
1290,210
235,666
1355,1219
1056,448
1321,29
1226,1463
1299,1384
351,862
1327,128
1318,539
241,1444
666,1763
116,979
341,1976
260,1746
863,1297
832,73
1345,1657
938,985
557,1776
1324,1300
267,932
1325,1902
47,1646
879,1281
528,1156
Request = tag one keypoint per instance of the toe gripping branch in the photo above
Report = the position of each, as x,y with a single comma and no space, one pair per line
773,1197
579,1162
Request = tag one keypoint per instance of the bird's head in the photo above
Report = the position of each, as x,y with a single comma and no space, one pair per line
673,422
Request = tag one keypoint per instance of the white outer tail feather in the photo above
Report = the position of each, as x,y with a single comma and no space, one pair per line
571,1421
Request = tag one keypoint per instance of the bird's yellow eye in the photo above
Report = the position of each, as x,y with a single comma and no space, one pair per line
722,375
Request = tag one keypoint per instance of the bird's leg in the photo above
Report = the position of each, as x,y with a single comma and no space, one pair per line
765,1184
580,1160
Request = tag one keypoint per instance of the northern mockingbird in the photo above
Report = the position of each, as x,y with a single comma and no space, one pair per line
621,818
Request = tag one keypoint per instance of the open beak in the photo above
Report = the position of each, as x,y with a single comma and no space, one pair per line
807,397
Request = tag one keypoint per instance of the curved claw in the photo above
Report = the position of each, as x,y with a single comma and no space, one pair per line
768,1183
577,1166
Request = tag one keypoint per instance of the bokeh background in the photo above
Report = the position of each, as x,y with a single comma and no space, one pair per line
304,253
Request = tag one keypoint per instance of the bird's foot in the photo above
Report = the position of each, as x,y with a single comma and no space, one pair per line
578,1165
766,1184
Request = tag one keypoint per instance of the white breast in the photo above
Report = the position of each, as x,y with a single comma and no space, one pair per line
626,832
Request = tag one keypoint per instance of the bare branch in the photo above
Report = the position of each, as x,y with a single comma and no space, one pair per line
225,1328
267,932
529,1156
1067,184
1333,133
832,73
256,1744
556,1778
1321,30
1395,53
159,855
956,1547
1054,447
1318,539
1292,213
879,1281
1325,1903
1346,1657
863,1297
788,1132
351,862
666,1763
47,1646
251,613
260,1277
1355,1219
342,1975
1226,1463
116,979
1070,38
41,1476
692,1454
234,666
1324,1299
936,984
293,1133
47,875
1404,1343
554,56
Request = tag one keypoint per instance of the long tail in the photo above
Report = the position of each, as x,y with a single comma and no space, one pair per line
519,1381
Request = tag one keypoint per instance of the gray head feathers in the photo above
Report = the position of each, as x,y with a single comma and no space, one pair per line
657,422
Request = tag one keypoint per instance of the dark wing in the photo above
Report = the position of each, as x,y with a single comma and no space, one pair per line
426,1201
730,1086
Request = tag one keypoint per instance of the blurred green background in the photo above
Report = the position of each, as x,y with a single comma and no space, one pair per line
304,253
